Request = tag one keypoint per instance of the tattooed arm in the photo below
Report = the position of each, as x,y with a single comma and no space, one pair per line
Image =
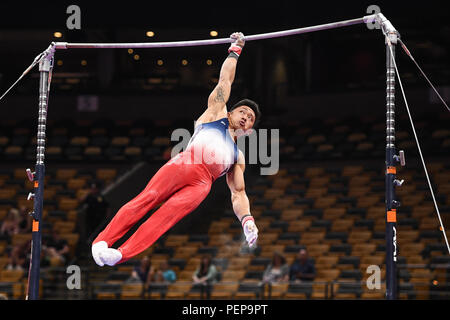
219,96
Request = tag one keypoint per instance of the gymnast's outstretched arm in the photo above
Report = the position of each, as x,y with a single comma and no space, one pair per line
239,199
219,96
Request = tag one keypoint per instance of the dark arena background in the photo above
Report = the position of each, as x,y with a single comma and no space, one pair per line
338,170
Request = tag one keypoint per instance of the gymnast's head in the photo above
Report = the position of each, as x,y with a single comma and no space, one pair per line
244,116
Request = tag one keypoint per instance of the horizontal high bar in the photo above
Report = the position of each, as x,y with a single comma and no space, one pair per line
277,34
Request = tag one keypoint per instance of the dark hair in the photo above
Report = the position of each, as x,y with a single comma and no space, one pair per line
204,267
279,255
252,105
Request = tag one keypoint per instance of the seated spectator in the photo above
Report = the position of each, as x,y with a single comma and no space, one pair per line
302,269
277,270
19,257
10,225
141,271
206,273
205,276
165,274
56,249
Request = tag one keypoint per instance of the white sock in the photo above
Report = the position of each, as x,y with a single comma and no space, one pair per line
96,248
110,256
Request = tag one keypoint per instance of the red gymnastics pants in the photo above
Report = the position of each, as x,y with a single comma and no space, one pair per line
181,185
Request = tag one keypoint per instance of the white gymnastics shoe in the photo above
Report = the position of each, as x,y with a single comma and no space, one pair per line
96,248
110,256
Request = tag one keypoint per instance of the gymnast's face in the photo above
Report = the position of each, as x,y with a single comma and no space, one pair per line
242,118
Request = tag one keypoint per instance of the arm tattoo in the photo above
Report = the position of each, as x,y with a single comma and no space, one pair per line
220,96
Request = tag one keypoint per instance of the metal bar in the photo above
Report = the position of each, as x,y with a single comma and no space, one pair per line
277,34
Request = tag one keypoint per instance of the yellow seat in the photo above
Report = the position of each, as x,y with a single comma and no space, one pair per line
372,260
359,180
333,213
359,191
224,290
20,238
79,141
13,150
318,250
413,200
268,250
317,192
327,274
299,225
76,183
325,202
120,141
311,172
217,227
186,275
105,174
320,290
178,290
273,193
356,137
345,296
295,295
277,291
220,239
282,182
176,242
429,223
326,262
291,214
106,296
161,141
359,236
133,151
310,238
266,239
65,174
11,275
7,193
359,249
282,203
342,225
244,295
66,204
316,139
367,201
131,291
415,248
319,182
92,151
238,263
233,275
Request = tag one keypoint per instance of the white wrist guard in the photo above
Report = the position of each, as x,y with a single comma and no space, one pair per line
250,230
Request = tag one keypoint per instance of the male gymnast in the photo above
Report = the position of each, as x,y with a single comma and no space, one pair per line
185,180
